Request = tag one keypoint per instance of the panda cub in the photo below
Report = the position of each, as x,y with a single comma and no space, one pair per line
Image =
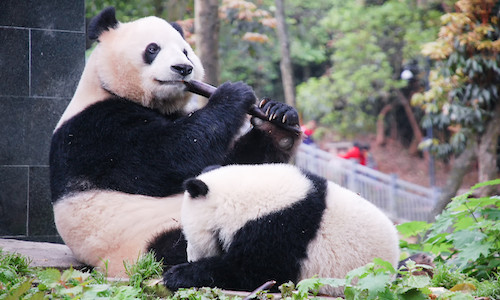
125,143
248,224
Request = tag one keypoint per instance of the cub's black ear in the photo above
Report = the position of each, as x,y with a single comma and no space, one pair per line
104,21
195,187
178,28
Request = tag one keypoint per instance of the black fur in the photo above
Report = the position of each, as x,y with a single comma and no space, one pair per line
271,149
104,21
170,246
150,53
269,248
120,145
195,187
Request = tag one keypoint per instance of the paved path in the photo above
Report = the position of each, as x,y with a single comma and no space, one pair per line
42,254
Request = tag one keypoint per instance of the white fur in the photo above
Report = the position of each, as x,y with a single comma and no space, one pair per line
101,226
116,65
352,233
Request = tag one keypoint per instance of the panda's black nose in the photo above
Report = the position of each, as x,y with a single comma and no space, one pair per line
182,69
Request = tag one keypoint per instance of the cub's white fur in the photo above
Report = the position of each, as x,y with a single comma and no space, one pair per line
352,231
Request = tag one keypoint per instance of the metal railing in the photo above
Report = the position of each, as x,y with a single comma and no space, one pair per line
401,200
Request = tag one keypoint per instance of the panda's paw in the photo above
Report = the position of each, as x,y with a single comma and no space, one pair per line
279,113
182,276
237,93
281,124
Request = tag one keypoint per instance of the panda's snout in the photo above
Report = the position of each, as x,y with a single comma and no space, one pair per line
182,69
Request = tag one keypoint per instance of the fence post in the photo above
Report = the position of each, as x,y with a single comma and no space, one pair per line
351,184
393,186
435,195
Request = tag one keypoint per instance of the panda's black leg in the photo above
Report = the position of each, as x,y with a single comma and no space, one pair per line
208,272
169,247
235,273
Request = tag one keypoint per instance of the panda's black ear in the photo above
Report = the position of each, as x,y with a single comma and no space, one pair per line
195,187
178,28
104,21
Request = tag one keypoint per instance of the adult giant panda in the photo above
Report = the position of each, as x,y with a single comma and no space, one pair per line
247,224
124,145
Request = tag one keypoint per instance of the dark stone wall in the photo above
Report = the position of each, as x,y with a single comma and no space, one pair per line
42,55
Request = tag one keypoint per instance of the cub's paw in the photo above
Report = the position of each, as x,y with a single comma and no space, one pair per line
280,113
234,93
178,277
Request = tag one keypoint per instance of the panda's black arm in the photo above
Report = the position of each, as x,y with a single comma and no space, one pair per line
274,138
206,90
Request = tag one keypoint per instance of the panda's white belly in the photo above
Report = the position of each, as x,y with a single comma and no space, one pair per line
100,226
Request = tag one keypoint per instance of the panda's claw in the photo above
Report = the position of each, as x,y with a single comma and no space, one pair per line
262,102
279,113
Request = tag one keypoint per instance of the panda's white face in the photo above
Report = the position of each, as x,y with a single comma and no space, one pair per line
146,61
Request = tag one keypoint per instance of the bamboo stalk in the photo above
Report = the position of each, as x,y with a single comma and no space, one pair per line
265,286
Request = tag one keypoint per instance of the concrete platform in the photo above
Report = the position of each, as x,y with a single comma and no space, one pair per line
42,254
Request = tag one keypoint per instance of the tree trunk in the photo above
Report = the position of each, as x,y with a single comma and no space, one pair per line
393,133
206,25
380,139
487,153
461,165
417,133
286,63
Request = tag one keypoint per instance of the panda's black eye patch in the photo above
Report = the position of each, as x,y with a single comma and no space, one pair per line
153,48
151,52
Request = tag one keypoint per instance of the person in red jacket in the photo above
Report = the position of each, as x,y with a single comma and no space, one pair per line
308,130
357,152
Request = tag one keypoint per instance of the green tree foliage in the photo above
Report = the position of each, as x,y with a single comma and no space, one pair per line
370,44
128,10
309,41
255,57
248,46
465,81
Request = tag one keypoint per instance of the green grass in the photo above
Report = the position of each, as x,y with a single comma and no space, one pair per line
374,281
